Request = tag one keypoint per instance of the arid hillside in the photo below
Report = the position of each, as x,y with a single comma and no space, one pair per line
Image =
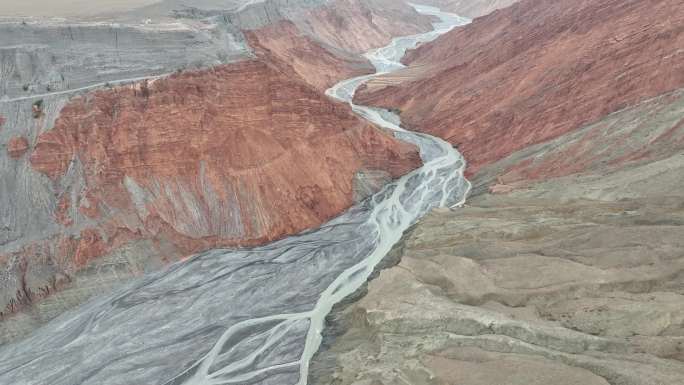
319,66
565,265
575,278
536,70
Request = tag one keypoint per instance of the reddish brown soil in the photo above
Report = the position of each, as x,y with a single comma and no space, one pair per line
317,65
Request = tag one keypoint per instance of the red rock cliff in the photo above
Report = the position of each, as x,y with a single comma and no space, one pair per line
536,70
319,66
237,155
358,26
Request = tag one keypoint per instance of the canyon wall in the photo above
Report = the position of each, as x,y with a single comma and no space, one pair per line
197,151
237,155
536,70
123,176
358,26
565,264
319,66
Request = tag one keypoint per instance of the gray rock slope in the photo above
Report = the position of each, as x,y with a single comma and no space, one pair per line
572,280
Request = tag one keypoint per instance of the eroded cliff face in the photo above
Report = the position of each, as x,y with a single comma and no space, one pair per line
536,70
317,65
358,26
233,156
244,152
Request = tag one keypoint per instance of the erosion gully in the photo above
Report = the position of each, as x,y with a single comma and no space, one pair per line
247,316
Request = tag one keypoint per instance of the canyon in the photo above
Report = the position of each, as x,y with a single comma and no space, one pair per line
565,265
471,9
219,135
575,63
249,315
238,184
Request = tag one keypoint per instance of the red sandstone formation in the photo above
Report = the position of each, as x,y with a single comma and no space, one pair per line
358,26
322,45
17,147
237,155
536,70
317,65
